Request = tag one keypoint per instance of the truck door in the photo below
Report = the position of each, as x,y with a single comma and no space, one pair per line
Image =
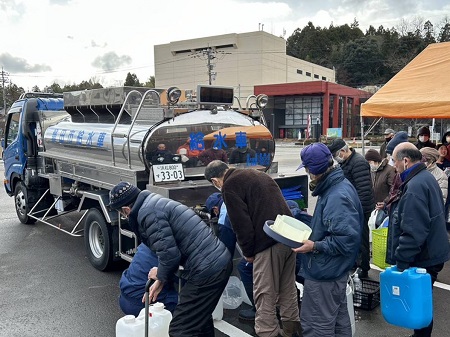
13,155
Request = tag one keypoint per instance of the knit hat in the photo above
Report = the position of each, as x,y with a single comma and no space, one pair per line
373,155
123,194
389,131
430,154
316,158
400,137
214,200
336,145
424,130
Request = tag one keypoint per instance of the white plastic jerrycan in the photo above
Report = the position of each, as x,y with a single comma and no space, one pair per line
158,320
130,326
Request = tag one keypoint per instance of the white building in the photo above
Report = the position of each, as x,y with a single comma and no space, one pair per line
238,60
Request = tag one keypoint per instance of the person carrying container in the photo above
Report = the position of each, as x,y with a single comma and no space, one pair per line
332,248
417,235
180,238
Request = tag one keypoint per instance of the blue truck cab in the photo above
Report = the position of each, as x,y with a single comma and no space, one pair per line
21,147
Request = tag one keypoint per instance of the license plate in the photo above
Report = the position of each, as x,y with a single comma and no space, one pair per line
168,172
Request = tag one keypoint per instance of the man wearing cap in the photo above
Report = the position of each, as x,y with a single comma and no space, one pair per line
331,250
417,235
357,171
388,135
253,197
180,238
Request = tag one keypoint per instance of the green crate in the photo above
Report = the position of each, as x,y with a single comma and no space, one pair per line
379,243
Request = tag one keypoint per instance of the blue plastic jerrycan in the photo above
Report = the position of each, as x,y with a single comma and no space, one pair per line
406,297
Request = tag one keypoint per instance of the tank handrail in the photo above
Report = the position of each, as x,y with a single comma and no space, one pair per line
122,108
98,117
84,118
135,117
107,109
239,101
248,99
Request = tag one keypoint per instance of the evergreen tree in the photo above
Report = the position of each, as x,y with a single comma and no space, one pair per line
132,81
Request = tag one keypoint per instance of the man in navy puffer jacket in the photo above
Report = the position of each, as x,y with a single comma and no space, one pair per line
332,248
180,238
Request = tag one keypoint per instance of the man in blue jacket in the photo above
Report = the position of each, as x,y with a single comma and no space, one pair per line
180,238
133,280
332,248
417,235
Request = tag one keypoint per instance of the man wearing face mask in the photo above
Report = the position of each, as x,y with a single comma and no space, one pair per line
388,135
331,250
423,137
357,171
178,236
382,175
417,236
253,197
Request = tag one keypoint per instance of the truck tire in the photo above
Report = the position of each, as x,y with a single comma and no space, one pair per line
98,240
22,204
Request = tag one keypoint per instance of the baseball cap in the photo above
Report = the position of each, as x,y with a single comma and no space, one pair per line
315,157
389,131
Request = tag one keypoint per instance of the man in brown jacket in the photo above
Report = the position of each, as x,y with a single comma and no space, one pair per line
253,197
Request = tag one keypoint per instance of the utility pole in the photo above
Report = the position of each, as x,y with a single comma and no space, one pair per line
4,80
210,55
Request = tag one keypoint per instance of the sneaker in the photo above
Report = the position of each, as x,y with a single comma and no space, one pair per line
247,314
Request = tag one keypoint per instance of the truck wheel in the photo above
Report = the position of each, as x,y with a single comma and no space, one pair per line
22,205
98,240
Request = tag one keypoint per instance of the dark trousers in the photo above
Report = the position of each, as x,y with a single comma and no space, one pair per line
193,314
364,248
433,271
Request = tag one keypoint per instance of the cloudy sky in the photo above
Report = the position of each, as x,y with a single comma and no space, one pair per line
68,41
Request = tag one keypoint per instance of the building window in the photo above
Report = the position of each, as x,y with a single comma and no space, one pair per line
299,71
308,74
297,109
324,78
316,76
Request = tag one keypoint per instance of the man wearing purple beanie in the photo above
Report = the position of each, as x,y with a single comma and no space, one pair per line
332,248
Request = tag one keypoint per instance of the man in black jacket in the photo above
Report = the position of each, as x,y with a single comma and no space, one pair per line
417,235
180,238
357,171
253,197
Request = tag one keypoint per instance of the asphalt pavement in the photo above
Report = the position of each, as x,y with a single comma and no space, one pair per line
48,288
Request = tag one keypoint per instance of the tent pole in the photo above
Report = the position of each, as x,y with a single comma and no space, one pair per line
362,134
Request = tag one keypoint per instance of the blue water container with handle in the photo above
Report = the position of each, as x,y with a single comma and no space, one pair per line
406,297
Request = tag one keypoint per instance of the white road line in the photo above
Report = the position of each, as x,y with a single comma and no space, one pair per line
229,329
436,284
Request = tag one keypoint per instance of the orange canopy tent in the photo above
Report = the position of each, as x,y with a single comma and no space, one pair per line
420,90
253,132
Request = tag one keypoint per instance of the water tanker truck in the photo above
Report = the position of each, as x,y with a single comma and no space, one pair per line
64,152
